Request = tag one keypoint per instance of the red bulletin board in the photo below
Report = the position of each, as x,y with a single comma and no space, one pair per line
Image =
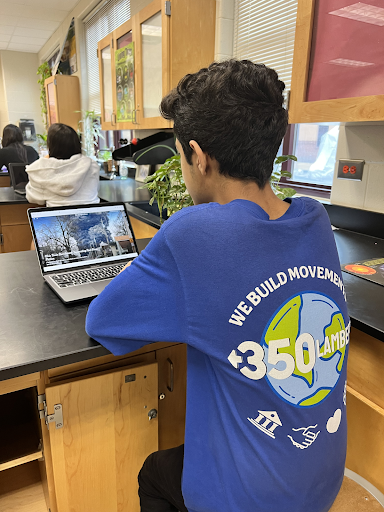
347,53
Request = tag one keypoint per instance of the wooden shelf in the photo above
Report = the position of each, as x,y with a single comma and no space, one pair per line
21,460
21,489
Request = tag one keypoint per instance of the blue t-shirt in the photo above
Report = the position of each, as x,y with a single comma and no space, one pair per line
261,305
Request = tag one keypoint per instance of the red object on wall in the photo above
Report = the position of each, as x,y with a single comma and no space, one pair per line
347,54
345,169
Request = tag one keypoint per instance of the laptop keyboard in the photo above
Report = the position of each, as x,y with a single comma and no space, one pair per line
87,276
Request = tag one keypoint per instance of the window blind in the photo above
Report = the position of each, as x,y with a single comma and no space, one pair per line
265,33
105,18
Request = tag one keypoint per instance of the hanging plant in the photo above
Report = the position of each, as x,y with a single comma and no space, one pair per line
45,72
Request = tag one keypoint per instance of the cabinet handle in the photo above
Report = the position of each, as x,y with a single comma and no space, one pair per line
171,375
113,118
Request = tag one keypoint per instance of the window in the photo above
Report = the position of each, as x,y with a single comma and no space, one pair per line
315,148
105,18
265,33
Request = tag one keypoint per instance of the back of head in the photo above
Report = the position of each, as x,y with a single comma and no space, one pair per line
63,142
233,110
13,137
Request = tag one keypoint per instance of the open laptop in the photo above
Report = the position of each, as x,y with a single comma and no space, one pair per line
82,248
19,177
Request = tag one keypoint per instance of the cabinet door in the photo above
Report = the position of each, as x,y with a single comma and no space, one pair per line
50,90
151,28
337,62
124,85
172,363
105,438
106,73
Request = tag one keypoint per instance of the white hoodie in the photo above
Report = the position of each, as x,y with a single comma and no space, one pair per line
56,182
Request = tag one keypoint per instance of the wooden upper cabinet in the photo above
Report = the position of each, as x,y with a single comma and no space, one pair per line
338,62
105,52
169,39
63,100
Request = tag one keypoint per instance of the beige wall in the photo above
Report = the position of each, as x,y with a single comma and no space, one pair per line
3,102
21,91
361,141
225,13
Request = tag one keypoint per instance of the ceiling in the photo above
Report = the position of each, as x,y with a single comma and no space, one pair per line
26,25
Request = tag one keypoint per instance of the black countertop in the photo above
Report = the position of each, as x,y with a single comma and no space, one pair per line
8,196
365,299
37,331
123,190
117,190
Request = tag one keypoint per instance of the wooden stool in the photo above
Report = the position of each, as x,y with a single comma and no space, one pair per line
354,498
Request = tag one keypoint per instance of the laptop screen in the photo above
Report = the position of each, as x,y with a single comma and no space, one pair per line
74,237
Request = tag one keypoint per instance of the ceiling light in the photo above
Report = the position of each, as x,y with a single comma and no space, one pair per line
348,62
362,12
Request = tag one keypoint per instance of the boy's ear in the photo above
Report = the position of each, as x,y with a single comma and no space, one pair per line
199,156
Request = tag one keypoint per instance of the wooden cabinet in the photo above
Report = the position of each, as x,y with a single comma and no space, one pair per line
15,232
5,181
63,100
98,432
338,63
365,408
101,436
169,39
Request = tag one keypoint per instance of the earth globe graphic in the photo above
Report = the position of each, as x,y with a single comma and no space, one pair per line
320,317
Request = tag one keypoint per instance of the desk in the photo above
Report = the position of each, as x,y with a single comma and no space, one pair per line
44,349
365,397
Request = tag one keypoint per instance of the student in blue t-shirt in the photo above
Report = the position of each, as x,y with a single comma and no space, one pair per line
264,317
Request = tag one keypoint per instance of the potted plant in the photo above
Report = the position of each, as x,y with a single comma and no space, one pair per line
89,131
45,72
169,191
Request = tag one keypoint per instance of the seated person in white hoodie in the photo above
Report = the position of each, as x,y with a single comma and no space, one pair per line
66,177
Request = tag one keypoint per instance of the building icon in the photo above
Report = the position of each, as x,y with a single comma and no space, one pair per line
267,421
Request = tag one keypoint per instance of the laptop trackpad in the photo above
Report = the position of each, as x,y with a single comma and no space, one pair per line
100,285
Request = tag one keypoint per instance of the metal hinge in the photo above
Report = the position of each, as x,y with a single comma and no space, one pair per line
167,8
55,81
1,239
56,417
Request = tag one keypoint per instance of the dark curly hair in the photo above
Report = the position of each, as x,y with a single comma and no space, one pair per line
233,110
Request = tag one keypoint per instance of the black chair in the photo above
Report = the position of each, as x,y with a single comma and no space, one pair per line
19,177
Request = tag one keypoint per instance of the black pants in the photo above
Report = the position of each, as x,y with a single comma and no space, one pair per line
160,481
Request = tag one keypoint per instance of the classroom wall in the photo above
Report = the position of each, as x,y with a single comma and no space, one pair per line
3,101
19,98
224,31
361,141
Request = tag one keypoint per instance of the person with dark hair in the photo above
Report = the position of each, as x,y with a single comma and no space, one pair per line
264,318
66,177
13,150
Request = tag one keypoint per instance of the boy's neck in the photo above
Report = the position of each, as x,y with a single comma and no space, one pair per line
229,189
